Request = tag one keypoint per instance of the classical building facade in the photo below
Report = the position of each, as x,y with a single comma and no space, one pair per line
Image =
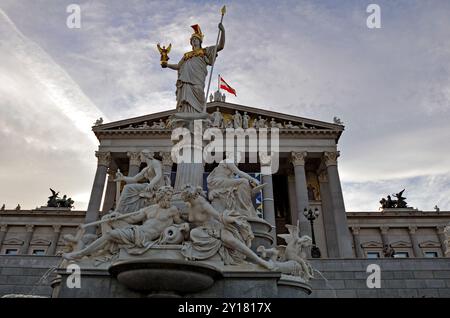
307,178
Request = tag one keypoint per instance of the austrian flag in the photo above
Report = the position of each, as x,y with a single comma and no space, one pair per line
225,86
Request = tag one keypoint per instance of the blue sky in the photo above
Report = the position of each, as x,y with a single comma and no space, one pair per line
315,59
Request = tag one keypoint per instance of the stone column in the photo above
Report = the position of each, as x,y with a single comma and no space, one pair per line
268,199
292,198
301,190
104,159
55,238
110,194
167,163
3,230
135,163
414,242
384,235
28,237
328,216
440,231
357,241
337,201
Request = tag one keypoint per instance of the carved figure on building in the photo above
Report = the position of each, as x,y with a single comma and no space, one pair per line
217,119
158,125
388,251
245,121
145,125
289,125
136,195
137,238
237,120
192,71
3,207
311,193
447,240
223,178
261,122
98,121
227,234
337,121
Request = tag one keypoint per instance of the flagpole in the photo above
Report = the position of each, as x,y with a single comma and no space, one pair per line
223,10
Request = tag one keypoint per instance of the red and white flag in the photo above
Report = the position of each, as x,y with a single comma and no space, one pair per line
225,86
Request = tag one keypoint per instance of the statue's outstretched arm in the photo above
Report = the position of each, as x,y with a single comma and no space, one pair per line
240,173
175,67
136,178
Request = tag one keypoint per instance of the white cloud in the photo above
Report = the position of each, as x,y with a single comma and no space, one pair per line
315,59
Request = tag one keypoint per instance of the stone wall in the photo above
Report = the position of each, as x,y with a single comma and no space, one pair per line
411,277
22,274
419,277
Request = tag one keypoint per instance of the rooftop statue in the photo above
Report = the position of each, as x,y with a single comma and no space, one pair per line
192,71
388,203
54,201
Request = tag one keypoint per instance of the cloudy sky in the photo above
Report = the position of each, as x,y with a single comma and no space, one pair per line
315,59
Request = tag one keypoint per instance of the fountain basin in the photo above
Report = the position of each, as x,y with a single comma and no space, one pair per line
164,277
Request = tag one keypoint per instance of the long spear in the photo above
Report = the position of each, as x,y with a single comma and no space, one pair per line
122,216
223,11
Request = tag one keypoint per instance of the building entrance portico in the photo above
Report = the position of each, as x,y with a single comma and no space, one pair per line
307,174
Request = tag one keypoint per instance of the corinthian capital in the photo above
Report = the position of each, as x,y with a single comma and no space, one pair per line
355,230
298,158
167,158
103,158
331,157
135,159
412,229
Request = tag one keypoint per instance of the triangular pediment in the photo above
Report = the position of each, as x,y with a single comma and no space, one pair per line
13,241
372,244
161,122
400,244
430,244
40,242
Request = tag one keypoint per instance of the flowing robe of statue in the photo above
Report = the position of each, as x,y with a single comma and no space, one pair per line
135,196
192,74
206,241
222,179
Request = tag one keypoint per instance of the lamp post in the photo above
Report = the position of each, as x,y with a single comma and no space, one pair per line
311,216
